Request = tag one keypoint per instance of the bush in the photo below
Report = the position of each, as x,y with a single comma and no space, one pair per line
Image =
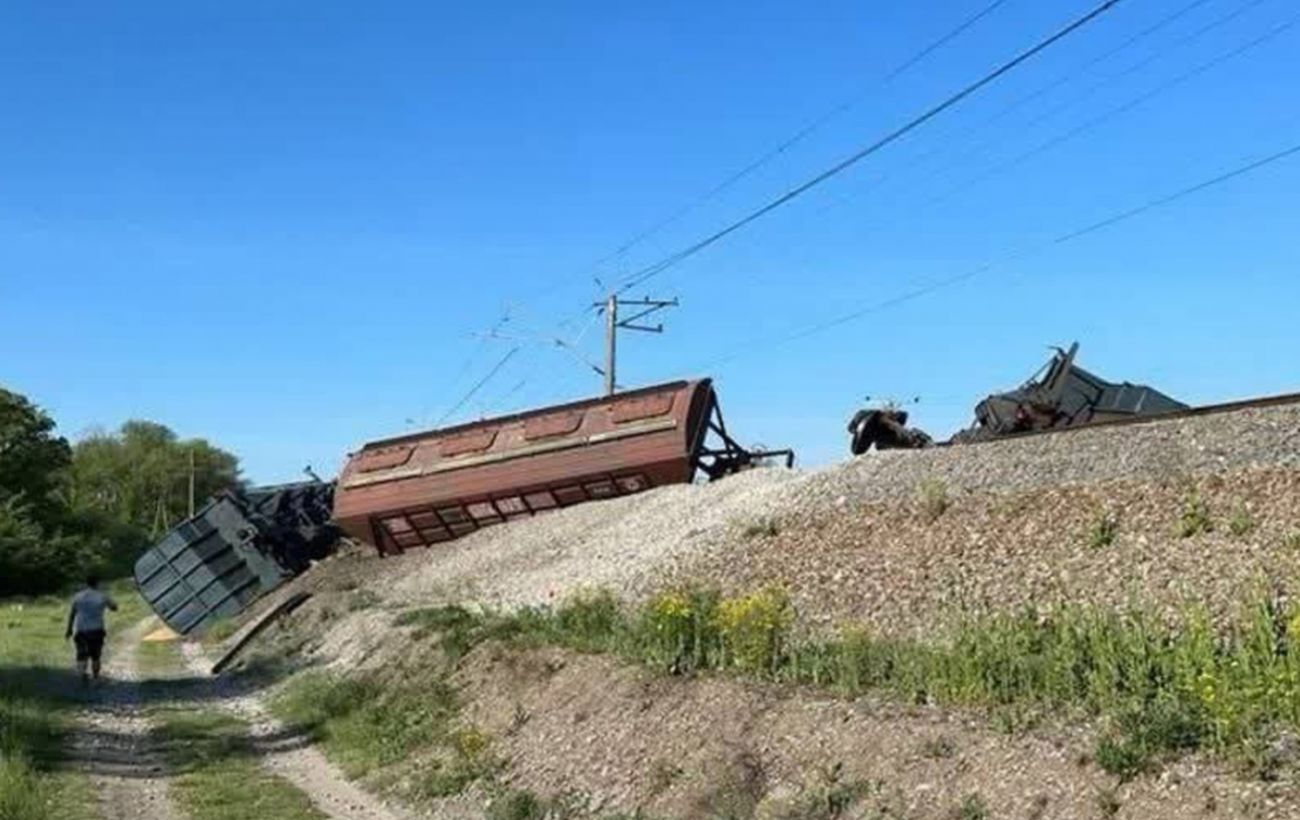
1241,522
23,795
1195,517
754,629
33,561
678,629
933,495
1104,530
760,528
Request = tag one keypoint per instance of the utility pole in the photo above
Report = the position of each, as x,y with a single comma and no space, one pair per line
191,515
613,323
611,341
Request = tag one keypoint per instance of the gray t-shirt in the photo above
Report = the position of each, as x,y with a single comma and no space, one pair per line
88,606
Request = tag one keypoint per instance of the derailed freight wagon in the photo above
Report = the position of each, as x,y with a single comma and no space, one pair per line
426,488
240,545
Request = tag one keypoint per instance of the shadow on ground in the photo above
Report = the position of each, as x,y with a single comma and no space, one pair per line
113,738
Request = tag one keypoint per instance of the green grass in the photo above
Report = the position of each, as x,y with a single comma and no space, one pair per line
972,807
932,495
1241,522
374,728
1103,531
159,659
219,631
37,696
1195,517
217,775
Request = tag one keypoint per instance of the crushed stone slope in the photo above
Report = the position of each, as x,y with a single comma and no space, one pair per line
705,532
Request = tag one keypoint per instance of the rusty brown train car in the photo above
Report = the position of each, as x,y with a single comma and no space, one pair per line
426,488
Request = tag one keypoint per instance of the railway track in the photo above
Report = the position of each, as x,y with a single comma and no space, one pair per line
1279,400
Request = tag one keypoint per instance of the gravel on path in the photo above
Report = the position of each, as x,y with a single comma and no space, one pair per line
291,756
112,742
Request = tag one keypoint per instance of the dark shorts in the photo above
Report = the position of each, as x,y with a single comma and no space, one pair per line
90,645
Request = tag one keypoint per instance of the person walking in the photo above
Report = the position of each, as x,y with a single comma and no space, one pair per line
86,626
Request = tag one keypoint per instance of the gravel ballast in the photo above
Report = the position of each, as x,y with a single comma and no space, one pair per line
852,544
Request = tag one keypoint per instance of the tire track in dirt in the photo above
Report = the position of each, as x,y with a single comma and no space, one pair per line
113,743
289,757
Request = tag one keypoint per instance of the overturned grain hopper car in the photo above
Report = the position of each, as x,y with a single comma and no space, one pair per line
423,489
240,545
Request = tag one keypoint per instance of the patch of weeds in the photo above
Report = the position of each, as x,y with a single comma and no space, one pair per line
1104,529
1241,522
830,798
24,793
1158,690
938,748
590,620
1108,802
1292,541
737,790
218,776
662,776
1145,732
470,760
365,725
1195,517
453,626
519,718
754,629
1122,756
677,630
219,631
972,807
933,496
518,804
765,527
1015,719
363,599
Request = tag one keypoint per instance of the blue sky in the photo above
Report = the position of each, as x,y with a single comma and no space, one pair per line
278,225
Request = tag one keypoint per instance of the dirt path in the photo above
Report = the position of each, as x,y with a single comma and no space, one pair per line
290,757
112,743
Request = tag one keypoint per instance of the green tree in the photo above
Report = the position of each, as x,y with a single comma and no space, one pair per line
33,461
95,506
35,560
34,555
139,476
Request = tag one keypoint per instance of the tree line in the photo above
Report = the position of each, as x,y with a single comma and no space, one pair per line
67,509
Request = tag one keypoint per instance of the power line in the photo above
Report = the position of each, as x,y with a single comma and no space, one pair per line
937,151
1089,125
477,386
463,370
971,273
659,267
1130,104
964,157
804,132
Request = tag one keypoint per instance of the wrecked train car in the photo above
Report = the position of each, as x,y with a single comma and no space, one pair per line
240,545
1064,395
423,489
1061,395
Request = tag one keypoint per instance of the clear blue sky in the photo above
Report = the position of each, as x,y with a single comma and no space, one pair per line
277,225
